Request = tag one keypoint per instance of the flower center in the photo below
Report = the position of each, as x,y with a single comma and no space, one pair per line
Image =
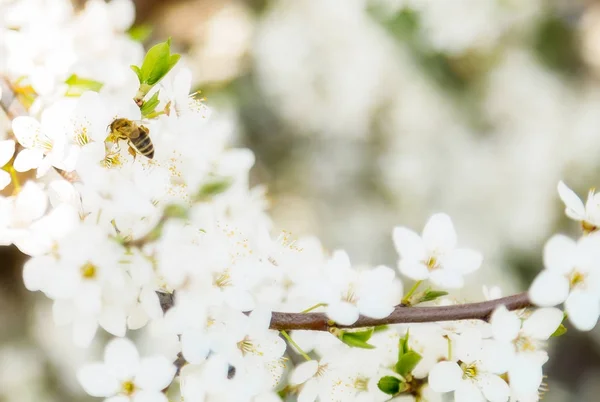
576,278
128,388
350,295
246,346
223,279
88,271
526,344
361,383
111,159
432,263
321,370
81,137
469,370
588,227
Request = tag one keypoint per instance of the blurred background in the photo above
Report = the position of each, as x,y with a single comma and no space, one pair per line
366,114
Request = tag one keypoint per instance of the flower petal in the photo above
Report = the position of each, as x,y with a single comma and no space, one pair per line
195,346
98,380
439,233
113,320
155,373
574,206
445,376
4,179
549,289
7,150
463,260
494,388
560,254
303,372
413,269
543,322
505,324
28,159
31,202
467,392
408,244
446,279
342,313
150,396
583,309
26,129
525,375
121,356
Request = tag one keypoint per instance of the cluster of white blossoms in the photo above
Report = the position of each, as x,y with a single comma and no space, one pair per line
180,244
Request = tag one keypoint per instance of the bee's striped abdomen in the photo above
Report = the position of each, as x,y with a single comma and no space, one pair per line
143,144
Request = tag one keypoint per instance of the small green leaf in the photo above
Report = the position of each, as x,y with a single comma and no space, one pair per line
173,60
356,339
430,295
560,331
140,33
158,62
363,335
403,345
213,187
389,385
407,362
175,211
78,85
137,72
149,106
381,328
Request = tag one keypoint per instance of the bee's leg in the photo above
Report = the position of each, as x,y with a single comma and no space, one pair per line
132,151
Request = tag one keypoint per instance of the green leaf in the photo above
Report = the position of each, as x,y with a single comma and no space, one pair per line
407,362
356,339
389,385
403,345
149,106
175,211
78,85
173,60
380,328
430,295
213,187
560,331
363,335
158,62
140,33
137,72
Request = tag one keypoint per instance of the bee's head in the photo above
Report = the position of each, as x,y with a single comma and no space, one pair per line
120,124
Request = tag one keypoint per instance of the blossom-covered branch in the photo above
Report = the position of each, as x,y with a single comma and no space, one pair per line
401,314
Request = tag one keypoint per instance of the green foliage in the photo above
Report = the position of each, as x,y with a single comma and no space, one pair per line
560,331
389,385
78,85
176,211
148,107
407,358
407,363
357,339
157,63
213,187
140,33
430,295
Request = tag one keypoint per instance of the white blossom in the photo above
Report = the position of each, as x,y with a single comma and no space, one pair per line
434,255
123,376
571,276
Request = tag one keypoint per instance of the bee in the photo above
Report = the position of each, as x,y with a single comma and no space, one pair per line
137,136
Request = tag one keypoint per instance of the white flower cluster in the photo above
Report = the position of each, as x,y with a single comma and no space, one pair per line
140,215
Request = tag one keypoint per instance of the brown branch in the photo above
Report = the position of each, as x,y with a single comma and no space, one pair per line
400,315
